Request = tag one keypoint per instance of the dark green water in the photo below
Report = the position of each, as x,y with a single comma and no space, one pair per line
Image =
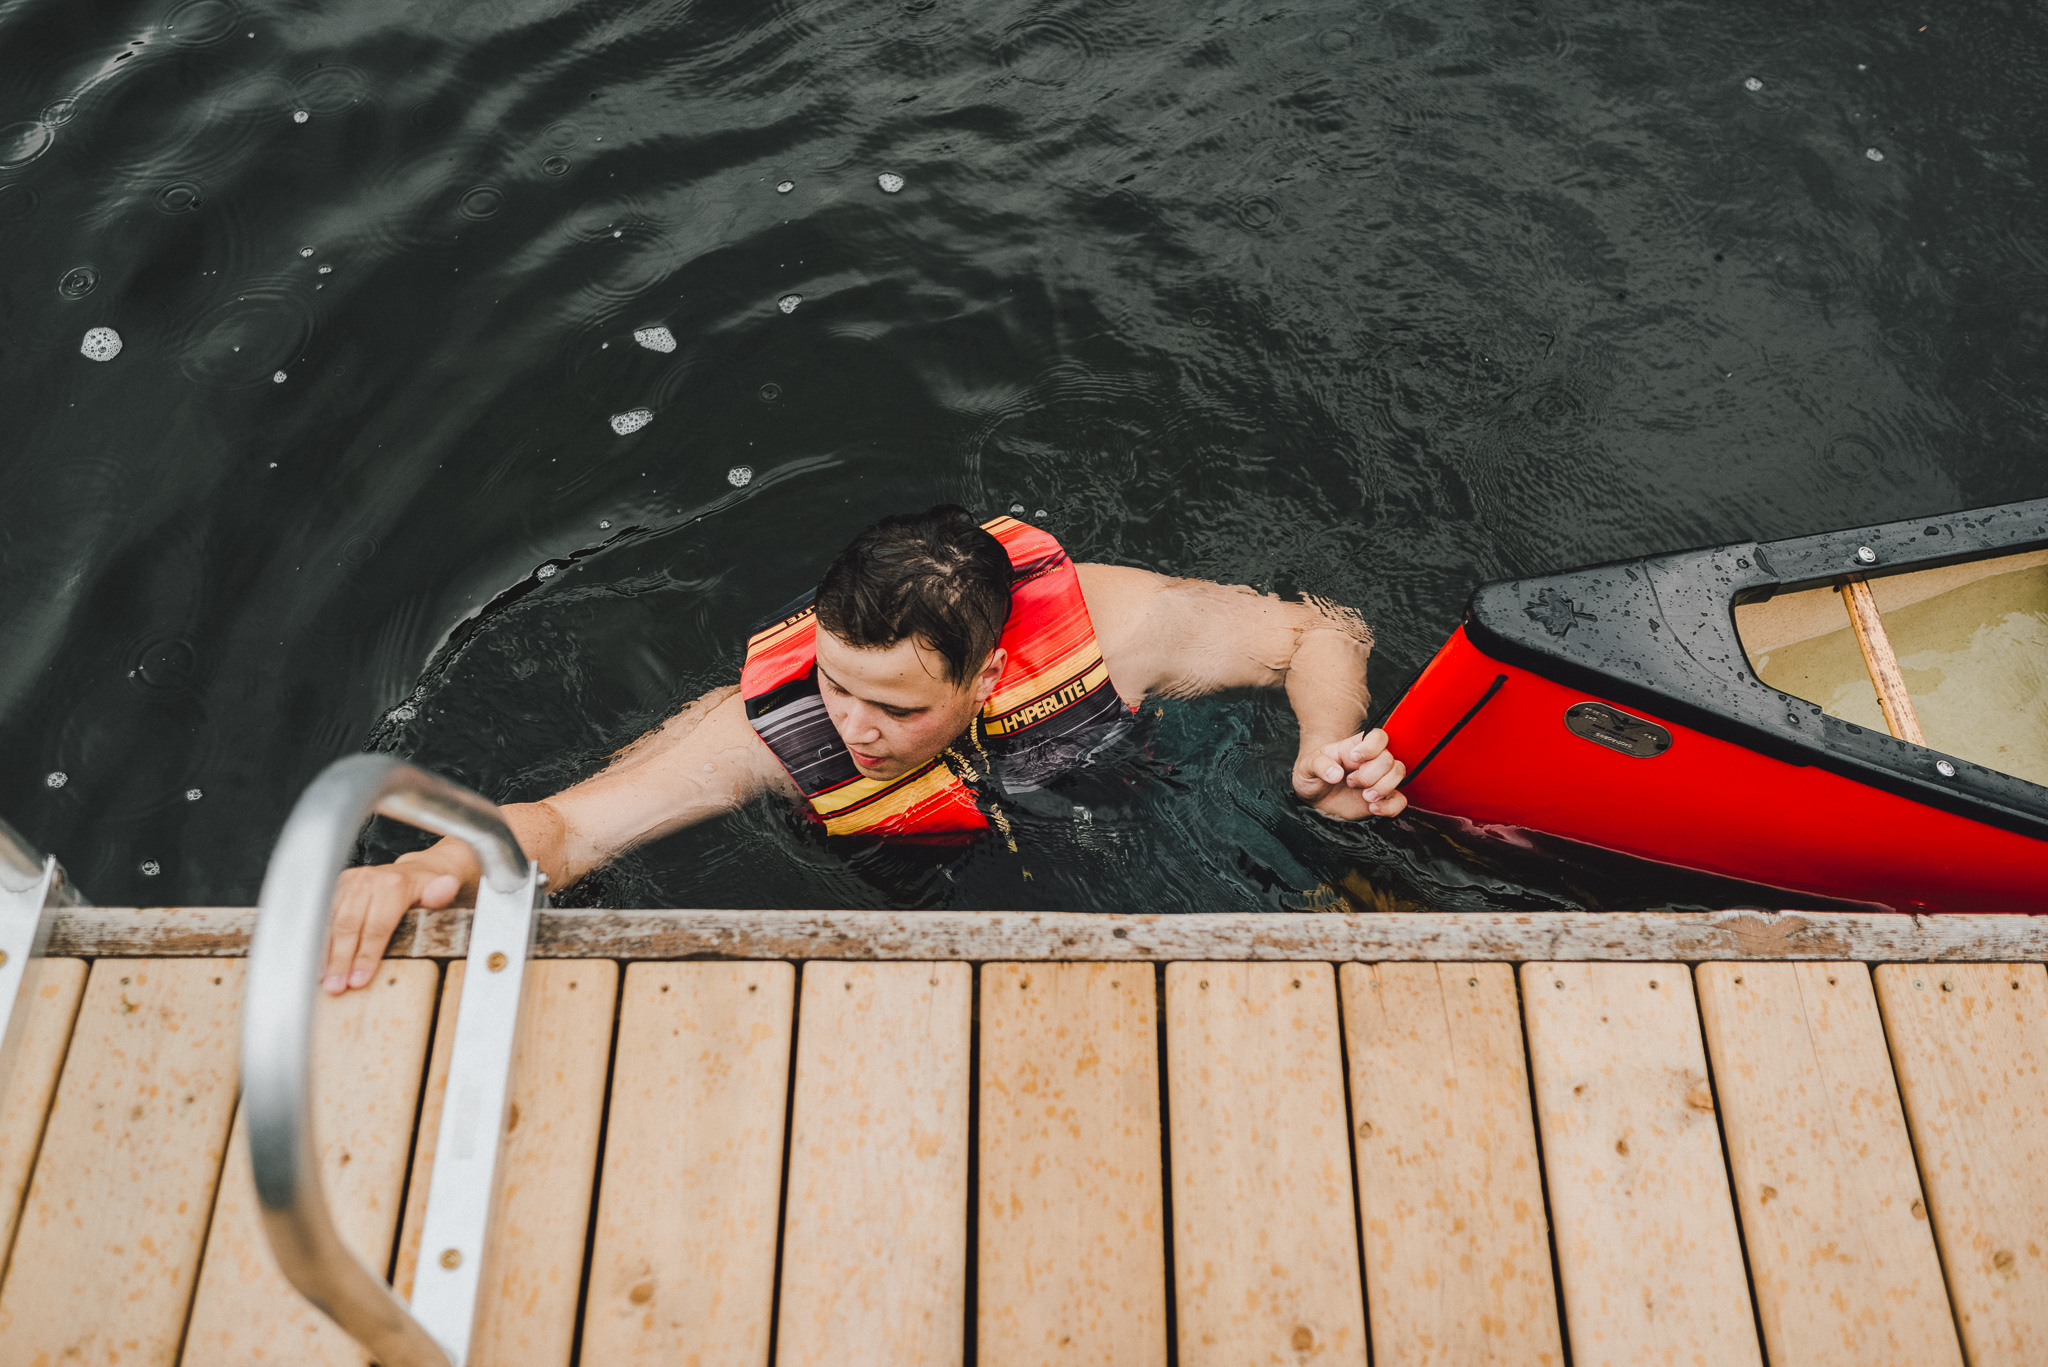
1368,301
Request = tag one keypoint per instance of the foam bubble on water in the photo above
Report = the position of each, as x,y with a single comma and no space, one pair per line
327,270
1040,514
1873,154
277,378
740,476
150,868
655,339
403,712
1752,84
305,251
604,524
56,780
632,420
100,344
193,794
788,302
300,116
785,187
1016,507
546,572
890,182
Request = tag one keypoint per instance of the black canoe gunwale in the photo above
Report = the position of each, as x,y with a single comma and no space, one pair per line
1658,632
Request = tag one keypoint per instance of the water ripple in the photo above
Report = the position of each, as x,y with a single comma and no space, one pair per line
242,341
201,23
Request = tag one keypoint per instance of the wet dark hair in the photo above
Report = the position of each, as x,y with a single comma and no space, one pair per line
935,575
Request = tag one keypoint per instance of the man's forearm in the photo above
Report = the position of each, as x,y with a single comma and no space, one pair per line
537,827
1326,685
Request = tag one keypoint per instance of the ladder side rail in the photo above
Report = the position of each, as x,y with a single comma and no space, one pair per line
285,957
32,888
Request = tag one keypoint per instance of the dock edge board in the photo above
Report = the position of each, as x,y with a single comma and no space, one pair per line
1512,937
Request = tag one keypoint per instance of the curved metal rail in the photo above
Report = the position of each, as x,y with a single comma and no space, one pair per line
285,958
31,887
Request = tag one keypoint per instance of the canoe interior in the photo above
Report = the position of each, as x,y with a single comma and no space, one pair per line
1972,639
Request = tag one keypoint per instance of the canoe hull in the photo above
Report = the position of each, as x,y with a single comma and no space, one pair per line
1490,742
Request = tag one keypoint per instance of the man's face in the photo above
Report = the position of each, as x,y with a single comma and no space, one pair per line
894,708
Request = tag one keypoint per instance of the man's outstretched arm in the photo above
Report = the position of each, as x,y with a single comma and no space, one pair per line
700,763
1183,638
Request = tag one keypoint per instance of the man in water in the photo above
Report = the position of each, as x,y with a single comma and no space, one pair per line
940,668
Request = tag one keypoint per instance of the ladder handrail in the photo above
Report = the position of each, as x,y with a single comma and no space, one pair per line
23,867
32,887
285,958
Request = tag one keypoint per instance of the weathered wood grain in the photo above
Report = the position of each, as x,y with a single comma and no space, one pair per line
1882,661
108,1248
874,1252
1265,1242
683,1270
1648,1253
1970,1043
53,991
1073,1228
1450,1191
533,1271
369,1051
1840,1254
1015,936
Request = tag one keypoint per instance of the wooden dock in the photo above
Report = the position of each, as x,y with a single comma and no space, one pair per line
850,1138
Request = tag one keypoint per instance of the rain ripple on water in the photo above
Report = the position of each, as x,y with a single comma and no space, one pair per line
246,340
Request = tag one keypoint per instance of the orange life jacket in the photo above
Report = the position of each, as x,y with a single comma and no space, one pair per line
1052,708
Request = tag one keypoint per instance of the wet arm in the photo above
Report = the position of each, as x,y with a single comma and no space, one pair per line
699,764
1184,638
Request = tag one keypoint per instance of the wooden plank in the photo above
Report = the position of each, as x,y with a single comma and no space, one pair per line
108,1248
1265,1239
1072,1251
874,1254
1885,675
1013,936
54,991
1840,1254
1450,1190
683,1270
1647,1249
369,1049
534,1270
1970,1044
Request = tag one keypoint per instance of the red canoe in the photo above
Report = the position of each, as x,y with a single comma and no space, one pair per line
1711,710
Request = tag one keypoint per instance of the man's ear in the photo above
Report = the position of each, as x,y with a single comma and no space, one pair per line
985,682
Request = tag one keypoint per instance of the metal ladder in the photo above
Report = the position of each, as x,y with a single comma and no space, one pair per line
285,959
32,887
